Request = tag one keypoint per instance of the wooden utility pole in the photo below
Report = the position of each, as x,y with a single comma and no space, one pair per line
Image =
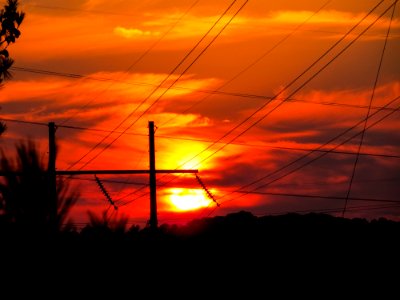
153,221
152,178
51,174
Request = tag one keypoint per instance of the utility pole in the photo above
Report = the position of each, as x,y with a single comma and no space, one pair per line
51,173
153,188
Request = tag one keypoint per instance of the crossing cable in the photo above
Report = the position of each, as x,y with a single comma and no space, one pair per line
290,84
149,96
105,180
24,122
320,197
386,155
284,89
127,202
141,57
265,54
368,112
241,190
324,151
287,86
335,210
209,92
167,89
306,155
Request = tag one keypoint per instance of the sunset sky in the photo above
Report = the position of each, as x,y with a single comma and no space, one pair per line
230,89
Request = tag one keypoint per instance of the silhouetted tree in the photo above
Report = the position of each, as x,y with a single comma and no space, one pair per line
10,20
105,227
115,222
3,127
25,200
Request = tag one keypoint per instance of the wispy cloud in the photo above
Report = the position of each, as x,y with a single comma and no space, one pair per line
130,33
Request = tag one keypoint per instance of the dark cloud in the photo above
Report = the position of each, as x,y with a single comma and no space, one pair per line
54,7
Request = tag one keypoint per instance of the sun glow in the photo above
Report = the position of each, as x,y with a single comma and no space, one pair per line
188,199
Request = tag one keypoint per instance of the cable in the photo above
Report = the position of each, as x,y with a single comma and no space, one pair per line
334,210
306,155
141,57
154,102
203,140
368,112
242,193
209,141
120,203
210,92
24,122
291,83
298,89
315,196
104,180
265,54
152,93
284,89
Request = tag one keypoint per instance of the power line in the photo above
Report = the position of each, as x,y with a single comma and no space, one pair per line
157,87
105,180
281,92
114,13
154,102
368,112
256,61
209,92
141,57
396,1
385,155
124,203
240,190
288,85
303,84
334,210
306,155
137,61
314,196
24,122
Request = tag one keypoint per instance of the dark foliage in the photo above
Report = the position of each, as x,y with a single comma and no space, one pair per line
25,201
10,20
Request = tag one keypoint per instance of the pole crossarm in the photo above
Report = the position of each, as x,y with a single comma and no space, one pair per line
122,172
52,172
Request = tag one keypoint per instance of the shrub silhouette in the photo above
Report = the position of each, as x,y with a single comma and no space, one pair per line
25,201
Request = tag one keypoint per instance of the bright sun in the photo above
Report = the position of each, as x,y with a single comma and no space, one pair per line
188,199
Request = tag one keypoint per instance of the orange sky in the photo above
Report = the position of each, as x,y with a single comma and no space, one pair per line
122,52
